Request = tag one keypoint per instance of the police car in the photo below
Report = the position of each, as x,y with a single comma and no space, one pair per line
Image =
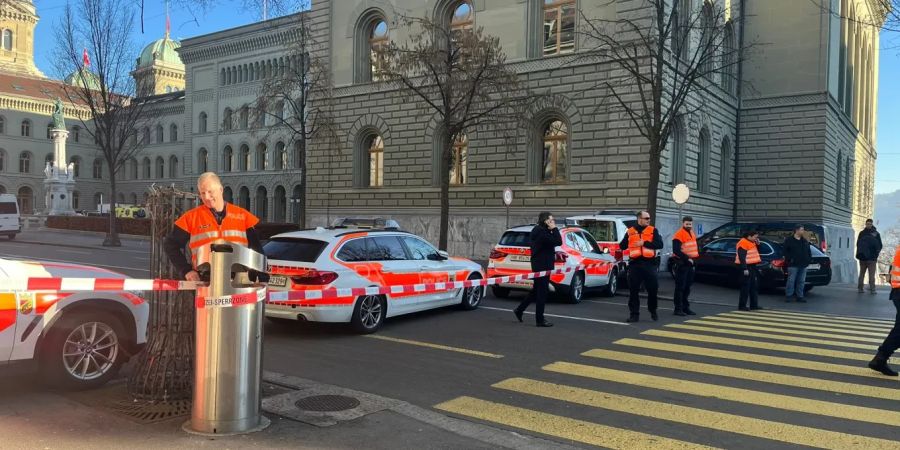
353,257
76,340
512,256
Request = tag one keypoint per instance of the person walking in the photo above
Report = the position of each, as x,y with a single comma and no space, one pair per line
797,257
641,243
685,251
868,247
892,342
214,220
545,238
747,259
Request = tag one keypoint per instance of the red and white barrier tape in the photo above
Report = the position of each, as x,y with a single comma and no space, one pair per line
95,284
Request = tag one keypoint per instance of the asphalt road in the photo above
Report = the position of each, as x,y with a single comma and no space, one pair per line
770,379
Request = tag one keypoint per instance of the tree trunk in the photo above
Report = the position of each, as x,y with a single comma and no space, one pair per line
446,160
302,199
653,183
112,234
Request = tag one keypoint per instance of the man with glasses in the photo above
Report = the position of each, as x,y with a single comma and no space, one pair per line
640,244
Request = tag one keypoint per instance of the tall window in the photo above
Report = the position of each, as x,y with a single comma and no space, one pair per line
298,154
75,198
7,40
160,168
378,41
839,184
244,197
146,138
97,169
681,18
376,161
707,31
703,167
2,125
228,158
25,162
728,58
203,161
244,118
262,157
279,112
147,168
244,159
458,173
173,166
679,155
280,156
50,131
201,123
173,133
559,26
26,128
227,119
2,161
133,169
725,168
76,133
159,134
555,151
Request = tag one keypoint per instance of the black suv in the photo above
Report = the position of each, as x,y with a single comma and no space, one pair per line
772,231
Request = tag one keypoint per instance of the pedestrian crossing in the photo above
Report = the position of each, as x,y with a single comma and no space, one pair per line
766,379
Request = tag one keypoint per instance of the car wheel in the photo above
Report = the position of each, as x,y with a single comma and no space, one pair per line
613,286
576,288
500,292
471,296
368,314
83,351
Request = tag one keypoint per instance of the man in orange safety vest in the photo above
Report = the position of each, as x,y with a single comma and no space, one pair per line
685,251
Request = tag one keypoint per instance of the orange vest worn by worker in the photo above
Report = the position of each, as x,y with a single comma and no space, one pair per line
752,252
895,270
688,243
201,225
638,251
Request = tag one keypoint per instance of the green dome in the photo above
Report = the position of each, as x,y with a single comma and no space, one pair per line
83,77
162,50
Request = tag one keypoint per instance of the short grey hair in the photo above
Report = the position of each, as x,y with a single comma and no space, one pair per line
208,176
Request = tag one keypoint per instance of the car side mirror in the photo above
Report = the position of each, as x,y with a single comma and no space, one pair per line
439,256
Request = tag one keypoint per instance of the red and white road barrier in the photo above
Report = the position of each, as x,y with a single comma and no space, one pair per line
95,284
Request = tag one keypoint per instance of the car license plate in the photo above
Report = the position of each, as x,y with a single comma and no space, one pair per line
813,267
277,280
521,258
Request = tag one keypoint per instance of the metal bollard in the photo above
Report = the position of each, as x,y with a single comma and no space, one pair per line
228,344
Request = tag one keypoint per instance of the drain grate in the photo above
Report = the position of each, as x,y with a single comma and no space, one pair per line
327,403
147,412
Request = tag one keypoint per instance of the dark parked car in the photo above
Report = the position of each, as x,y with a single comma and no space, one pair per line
716,263
773,231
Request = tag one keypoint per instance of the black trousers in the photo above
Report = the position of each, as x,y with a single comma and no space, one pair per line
642,273
538,296
892,341
749,288
684,278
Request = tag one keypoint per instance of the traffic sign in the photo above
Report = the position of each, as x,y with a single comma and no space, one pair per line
681,194
507,196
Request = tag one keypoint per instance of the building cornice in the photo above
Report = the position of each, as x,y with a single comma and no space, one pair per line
261,35
38,106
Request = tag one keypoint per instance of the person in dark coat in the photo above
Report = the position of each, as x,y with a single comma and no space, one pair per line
545,238
868,247
640,244
797,257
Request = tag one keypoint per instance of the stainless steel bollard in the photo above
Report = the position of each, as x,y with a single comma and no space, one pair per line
228,344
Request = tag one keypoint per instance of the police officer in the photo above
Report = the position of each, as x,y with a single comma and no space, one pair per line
640,244
685,251
213,220
892,341
747,259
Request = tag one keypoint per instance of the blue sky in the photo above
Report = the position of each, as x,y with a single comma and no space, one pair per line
887,170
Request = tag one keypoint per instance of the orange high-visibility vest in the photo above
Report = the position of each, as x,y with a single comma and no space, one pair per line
201,225
638,251
895,269
688,243
752,252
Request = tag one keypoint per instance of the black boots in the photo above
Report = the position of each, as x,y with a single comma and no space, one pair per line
879,364
679,312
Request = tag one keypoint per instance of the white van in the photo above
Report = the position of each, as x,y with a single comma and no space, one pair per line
9,216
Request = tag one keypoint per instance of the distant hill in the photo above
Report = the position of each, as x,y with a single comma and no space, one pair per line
887,210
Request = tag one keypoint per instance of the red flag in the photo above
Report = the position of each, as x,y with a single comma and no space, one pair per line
168,25
84,57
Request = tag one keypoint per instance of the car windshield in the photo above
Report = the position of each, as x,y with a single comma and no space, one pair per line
516,239
601,230
7,208
294,249
779,235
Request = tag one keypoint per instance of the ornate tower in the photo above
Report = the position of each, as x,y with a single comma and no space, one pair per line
159,69
17,21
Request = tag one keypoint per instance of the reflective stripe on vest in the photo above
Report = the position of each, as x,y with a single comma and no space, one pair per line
639,251
688,243
204,229
752,252
895,270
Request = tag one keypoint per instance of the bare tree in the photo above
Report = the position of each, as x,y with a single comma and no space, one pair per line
461,76
95,48
295,99
665,54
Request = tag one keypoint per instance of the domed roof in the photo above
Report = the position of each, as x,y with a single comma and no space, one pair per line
83,77
160,50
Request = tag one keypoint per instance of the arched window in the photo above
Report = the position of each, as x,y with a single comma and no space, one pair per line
133,169
222,77
202,161
681,19
201,123
375,148
298,154
707,44
554,157
26,128
26,200
120,198
75,198
159,134
97,169
244,197
228,158
728,59
2,160
160,168
227,119
173,133
703,167
146,137
244,158
278,112
76,166
244,118
280,204
559,27
228,195
280,156
839,184
50,130
76,133
173,166
24,162
98,199
463,16
262,156
262,204
725,168
377,34
7,40
147,168
134,198
679,155
2,125
458,173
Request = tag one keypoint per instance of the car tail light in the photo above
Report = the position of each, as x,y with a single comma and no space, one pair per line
778,263
825,263
824,245
317,277
561,257
497,254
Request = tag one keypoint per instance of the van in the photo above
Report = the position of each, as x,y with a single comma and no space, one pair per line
9,216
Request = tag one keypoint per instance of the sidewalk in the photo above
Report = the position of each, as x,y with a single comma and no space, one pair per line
78,239
33,417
